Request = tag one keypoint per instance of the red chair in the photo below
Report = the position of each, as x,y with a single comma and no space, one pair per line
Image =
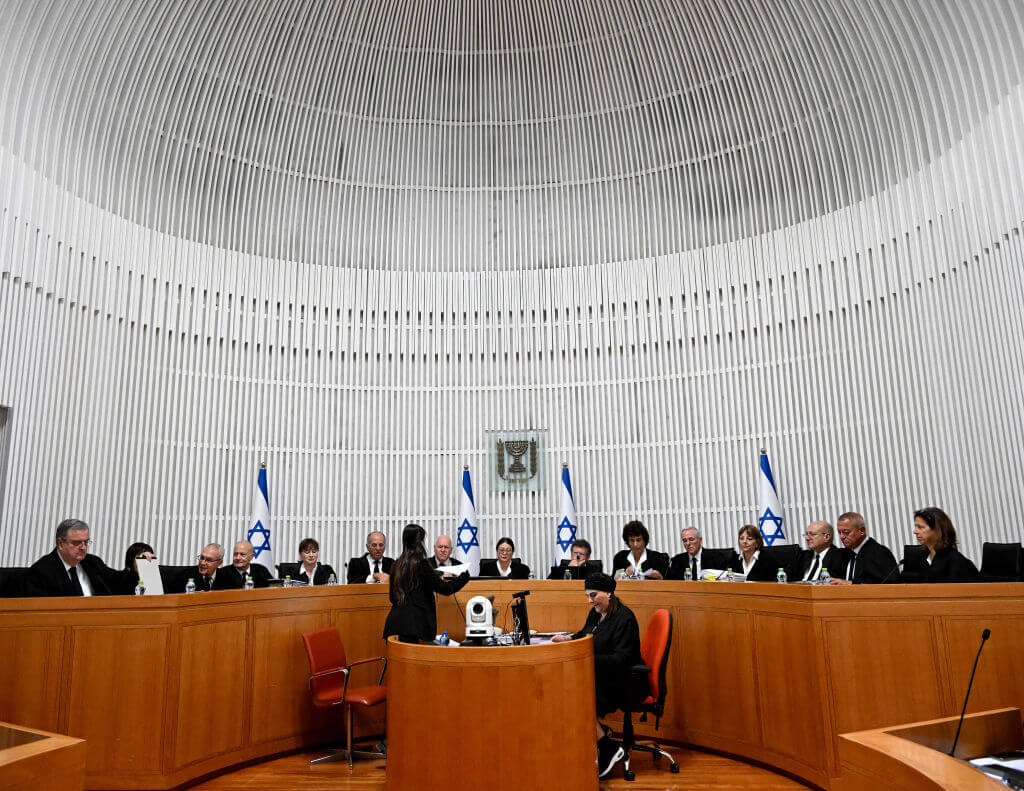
328,683
654,648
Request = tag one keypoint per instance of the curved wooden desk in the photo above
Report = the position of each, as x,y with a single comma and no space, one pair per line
770,672
32,760
915,757
504,718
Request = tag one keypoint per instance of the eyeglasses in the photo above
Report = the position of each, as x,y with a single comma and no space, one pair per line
505,551
204,559
77,543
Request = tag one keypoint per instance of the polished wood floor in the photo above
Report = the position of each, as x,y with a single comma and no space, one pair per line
697,771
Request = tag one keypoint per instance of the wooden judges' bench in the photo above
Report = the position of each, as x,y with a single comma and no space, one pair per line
165,689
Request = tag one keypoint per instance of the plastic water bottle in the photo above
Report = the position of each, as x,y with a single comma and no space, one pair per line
190,586
823,577
332,580
531,576
567,575
781,576
688,574
444,638
140,589
248,582
287,580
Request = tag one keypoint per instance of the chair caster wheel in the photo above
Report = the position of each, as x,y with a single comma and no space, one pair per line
629,775
674,769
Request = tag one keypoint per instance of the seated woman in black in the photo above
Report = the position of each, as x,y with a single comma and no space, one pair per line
944,563
411,589
505,565
309,570
638,560
616,649
753,559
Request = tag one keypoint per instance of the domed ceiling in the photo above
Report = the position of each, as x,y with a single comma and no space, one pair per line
442,135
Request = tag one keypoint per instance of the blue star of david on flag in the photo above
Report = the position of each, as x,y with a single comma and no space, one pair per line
566,534
768,516
264,544
466,543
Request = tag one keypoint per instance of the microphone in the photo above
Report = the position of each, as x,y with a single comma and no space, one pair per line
984,636
894,571
520,595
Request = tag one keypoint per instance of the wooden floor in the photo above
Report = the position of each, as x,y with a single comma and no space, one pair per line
697,771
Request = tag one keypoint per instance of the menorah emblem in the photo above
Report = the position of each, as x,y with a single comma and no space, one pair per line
517,449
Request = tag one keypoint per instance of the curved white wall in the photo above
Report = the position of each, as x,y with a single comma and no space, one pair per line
150,360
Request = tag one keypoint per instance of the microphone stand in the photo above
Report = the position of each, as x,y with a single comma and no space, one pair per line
984,636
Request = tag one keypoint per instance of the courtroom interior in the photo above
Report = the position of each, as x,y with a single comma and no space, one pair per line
402,394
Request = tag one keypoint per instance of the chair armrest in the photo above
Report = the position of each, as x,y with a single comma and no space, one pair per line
330,672
383,670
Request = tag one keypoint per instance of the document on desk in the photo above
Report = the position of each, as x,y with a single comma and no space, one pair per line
453,570
149,573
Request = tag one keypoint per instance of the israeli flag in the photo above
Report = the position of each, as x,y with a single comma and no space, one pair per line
565,530
259,528
467,535
769,519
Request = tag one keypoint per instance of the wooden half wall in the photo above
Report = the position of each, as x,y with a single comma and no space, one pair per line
169,688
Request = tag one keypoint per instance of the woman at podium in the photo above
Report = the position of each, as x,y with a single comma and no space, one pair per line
616,636
411,589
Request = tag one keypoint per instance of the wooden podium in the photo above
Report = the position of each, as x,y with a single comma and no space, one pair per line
504,718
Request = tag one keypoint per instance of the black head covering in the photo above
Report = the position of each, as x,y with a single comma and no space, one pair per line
599,582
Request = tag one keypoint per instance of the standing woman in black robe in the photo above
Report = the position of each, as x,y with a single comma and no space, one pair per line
411,589
616,637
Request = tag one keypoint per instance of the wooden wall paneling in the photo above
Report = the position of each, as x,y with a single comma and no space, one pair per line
211,684
281,706
882,671
172,686
118,696
713,674
790,689
32,665
999,680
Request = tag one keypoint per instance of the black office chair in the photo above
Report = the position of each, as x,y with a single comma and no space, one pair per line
171,576
654,648
577,572
287,570
784,554
1001,562
914,558
13,582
